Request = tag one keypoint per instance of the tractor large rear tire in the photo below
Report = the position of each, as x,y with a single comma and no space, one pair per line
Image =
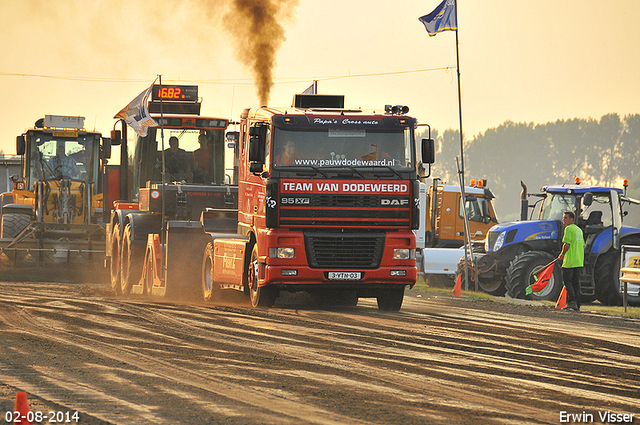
606,282
11,224
520,275
607,276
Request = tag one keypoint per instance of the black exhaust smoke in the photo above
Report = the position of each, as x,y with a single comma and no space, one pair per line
258,35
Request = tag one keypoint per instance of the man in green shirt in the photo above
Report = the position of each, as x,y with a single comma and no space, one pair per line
572,257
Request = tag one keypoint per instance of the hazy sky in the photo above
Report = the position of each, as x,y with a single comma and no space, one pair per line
520,60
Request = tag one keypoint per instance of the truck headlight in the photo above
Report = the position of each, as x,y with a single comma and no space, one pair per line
282,252
499,241
402,254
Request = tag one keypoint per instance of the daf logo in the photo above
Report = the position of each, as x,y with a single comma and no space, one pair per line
394,202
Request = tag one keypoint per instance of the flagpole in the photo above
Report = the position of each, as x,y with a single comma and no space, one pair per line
163,262
467,237
445,18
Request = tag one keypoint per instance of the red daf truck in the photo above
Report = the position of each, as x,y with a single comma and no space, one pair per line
328,199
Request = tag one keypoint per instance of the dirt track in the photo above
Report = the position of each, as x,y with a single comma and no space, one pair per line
439,360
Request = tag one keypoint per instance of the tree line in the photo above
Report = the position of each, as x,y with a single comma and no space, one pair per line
599,152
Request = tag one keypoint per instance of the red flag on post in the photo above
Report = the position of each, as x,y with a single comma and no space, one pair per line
542,277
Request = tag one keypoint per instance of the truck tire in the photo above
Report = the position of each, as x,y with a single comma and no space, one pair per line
260,296
114,264
11,224
390,300
211,290
131,260
520,275
607,276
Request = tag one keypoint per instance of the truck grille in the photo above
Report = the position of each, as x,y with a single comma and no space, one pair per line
344,250
314,210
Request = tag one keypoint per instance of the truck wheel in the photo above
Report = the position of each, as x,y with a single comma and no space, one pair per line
210,290
520,275
131,261
390,300
11,224
115,260
260,296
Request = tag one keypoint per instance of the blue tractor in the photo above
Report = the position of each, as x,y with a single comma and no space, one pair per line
515,251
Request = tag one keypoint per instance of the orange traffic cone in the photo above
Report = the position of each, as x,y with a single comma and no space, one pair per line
457,288
562,299
22,407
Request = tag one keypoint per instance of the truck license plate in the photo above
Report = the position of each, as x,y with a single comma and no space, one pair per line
345,275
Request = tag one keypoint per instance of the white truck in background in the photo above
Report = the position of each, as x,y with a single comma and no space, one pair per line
440,238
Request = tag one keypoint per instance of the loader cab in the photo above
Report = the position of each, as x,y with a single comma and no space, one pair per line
55,155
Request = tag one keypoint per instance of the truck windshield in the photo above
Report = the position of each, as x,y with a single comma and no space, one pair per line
63,157
477,209
343,148
556,204
193,156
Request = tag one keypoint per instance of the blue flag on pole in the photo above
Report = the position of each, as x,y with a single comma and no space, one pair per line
443,18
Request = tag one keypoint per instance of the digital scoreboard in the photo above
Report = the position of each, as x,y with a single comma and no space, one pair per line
174,99
173,93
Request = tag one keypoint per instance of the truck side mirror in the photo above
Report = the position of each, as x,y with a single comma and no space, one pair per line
232,139
428,151
106,148
257,142
116,137
254,150
587,199
20,145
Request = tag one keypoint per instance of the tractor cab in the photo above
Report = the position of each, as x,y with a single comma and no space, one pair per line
596,209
